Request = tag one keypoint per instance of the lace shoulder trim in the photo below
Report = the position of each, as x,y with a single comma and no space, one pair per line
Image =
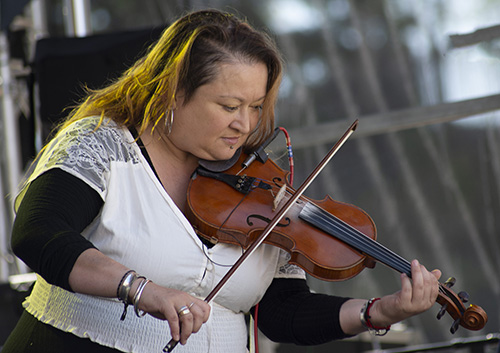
86,150
287,270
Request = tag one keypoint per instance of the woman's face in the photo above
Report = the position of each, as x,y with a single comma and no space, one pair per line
221,114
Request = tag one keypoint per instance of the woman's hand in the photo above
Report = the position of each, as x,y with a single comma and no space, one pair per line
417,295
97,274
185,314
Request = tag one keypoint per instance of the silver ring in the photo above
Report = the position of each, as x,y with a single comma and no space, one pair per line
183,311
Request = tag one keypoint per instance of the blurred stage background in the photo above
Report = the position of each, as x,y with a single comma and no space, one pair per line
423,77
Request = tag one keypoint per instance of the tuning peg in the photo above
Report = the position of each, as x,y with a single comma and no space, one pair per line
455,326
464,296
450,282
442,311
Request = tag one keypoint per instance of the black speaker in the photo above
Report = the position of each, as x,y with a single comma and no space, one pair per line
62,66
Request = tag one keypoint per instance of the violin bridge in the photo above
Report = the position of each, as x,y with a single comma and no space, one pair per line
279,197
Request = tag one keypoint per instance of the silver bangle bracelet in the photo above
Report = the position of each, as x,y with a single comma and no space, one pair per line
125,285
137,297
123,290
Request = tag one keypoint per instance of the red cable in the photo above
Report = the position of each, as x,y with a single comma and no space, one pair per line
255,329
290,153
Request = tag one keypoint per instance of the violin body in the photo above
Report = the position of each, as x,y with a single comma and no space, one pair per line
218,214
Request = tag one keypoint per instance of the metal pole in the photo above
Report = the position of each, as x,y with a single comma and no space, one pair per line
11,150
81,15
69,22
77,17
39,20
5,227
39,31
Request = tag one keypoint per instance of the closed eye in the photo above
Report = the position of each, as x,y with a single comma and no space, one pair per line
229,108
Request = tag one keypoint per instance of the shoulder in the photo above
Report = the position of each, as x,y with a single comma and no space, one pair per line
104,140
86,148
91,129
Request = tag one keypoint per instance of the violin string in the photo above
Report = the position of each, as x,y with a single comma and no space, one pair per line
372,248
371,244
361,242
354,236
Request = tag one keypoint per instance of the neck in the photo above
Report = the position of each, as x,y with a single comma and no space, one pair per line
173,168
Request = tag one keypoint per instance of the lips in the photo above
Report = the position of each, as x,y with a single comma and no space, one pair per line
231,141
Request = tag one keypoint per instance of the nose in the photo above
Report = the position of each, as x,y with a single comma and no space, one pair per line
242,121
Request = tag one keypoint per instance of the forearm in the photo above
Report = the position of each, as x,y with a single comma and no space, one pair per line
96,274
289,312
349,316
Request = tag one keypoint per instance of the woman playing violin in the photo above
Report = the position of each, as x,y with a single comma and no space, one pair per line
101,216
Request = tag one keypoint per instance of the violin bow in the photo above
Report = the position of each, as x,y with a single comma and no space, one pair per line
276,219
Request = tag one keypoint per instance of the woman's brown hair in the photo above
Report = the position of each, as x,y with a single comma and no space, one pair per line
186,57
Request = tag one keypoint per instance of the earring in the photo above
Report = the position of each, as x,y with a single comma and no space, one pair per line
169,121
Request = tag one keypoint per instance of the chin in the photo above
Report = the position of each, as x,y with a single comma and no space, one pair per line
214,157
218,154
226,156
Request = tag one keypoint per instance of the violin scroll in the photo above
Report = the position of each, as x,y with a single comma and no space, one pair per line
472,318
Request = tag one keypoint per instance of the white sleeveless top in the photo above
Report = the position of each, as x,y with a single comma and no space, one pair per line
140,226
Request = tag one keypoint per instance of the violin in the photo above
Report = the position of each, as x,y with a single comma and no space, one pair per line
330,240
